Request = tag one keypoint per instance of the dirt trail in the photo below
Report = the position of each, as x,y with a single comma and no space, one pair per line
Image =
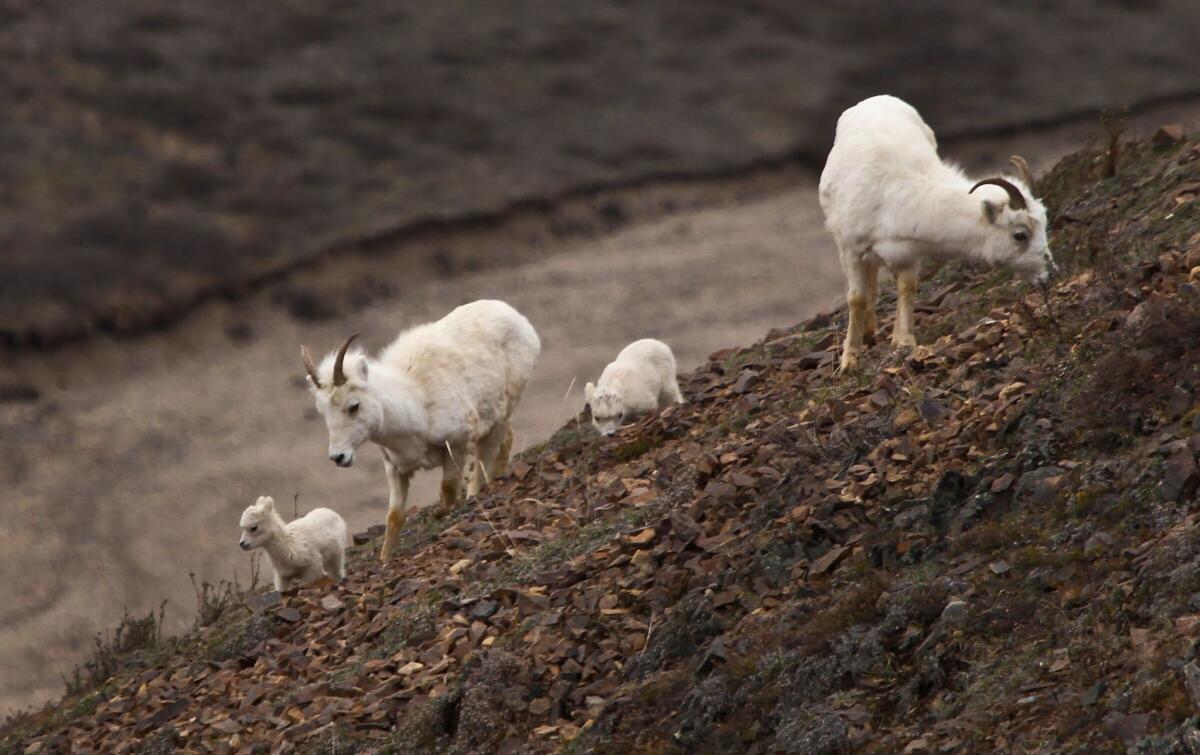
132,468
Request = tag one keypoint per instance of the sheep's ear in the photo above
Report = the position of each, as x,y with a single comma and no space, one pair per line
589,390
267,502
362,370
312,384
991,211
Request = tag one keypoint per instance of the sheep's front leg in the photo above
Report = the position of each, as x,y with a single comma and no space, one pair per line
856,305
397,506
906,294
281,584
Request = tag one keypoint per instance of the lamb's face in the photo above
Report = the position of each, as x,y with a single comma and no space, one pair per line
255,523
350,411
608,410
1019,241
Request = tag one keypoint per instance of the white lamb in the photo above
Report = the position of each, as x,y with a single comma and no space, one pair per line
890,200
442,394
299,551
641,379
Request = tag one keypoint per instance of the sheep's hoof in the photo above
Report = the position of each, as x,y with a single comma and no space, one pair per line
907,342
849,362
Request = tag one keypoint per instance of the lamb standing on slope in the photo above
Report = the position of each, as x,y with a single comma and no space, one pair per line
442,394
641,379
890,200
300,551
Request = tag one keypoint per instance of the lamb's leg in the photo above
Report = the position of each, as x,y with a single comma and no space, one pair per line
856,304
311,574
280,582
335,564
906,294
397,506
671,389
869,325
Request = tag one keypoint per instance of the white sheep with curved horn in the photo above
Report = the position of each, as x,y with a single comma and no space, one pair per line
890,200
441,394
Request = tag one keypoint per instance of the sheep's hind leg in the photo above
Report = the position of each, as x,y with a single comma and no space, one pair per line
870,327
856,305
906,293
494,451
397,506
474,473
452,477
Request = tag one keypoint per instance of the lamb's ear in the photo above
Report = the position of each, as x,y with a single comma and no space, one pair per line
589,390
991,211
362,370
267,502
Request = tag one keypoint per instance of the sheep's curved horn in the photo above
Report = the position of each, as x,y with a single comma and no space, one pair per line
1022,169
1015,199
308,365
339,375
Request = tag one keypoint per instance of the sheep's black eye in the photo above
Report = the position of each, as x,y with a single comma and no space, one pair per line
254,528
352,409
1020,237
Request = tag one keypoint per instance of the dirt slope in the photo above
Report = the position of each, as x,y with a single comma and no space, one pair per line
984,544
95,468
154,156
105,467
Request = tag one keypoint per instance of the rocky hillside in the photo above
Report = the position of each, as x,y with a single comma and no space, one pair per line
154,155
988,543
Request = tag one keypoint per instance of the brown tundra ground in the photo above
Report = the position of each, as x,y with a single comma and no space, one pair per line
131,469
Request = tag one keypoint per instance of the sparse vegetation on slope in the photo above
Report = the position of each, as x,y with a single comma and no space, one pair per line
987,543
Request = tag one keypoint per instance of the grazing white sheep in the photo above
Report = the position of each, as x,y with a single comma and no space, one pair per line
300,551
890,200
442,394
641,379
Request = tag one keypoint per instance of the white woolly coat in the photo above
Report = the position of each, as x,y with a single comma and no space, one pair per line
303,550
641,379
447,382
885,192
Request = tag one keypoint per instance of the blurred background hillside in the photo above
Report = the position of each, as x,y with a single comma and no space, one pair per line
152,153
188,190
